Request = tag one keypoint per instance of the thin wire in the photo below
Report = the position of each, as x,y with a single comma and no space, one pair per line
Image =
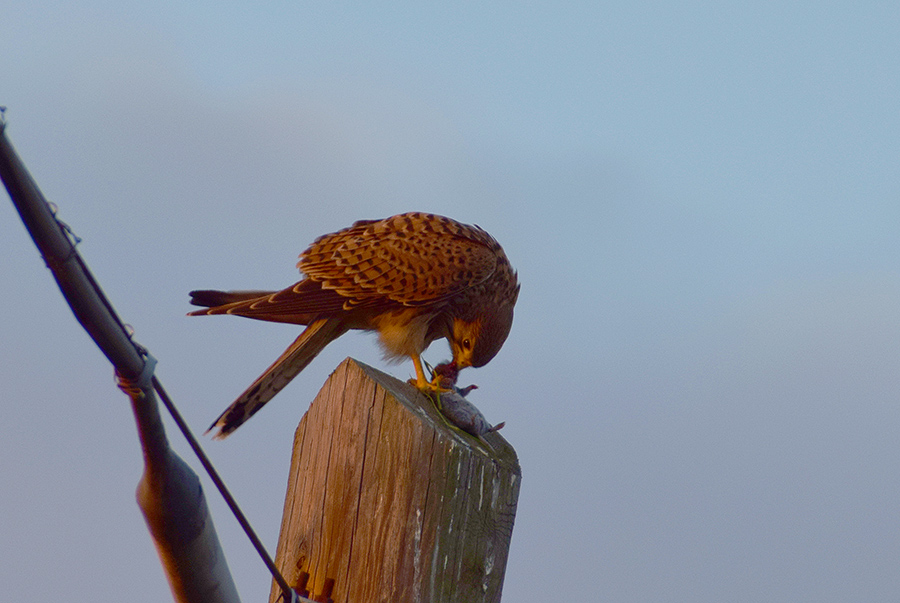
286,591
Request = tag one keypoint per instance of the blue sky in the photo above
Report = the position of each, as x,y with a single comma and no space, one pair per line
701,200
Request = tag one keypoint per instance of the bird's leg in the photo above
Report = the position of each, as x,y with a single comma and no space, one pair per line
421,381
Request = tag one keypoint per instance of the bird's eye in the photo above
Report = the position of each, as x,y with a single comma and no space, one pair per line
467,344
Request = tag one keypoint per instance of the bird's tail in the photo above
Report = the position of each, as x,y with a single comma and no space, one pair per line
214,300
299,354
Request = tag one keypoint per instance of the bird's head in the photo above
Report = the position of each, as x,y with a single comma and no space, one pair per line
476,342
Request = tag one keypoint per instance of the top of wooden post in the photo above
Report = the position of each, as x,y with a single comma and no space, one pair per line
418,403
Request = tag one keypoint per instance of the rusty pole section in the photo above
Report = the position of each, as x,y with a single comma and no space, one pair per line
169,493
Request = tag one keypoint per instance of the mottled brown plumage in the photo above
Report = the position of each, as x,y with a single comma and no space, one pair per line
413,278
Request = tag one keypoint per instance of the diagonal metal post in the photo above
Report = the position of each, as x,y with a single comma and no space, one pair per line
169,492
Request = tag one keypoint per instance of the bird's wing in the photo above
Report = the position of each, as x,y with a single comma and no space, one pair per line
408,260
411,259
294,359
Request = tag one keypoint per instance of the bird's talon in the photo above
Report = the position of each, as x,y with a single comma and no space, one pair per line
431,390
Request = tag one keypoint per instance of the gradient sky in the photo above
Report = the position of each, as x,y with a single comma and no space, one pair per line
702,201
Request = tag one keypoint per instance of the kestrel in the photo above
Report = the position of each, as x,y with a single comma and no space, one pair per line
413,278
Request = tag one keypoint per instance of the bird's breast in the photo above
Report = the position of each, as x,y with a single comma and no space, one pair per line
404,332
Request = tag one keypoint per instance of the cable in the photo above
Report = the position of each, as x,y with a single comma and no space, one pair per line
287,593
95,313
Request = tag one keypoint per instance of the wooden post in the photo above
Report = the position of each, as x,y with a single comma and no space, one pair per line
386,502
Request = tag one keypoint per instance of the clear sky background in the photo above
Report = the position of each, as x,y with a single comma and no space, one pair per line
702,200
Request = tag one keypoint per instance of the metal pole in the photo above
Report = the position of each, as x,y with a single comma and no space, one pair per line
169,493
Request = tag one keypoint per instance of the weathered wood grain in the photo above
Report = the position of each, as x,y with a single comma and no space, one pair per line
390,502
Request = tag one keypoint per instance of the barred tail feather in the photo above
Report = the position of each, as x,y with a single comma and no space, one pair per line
294,359
210,298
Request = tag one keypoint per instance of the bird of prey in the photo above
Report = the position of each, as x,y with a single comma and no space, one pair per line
413,278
